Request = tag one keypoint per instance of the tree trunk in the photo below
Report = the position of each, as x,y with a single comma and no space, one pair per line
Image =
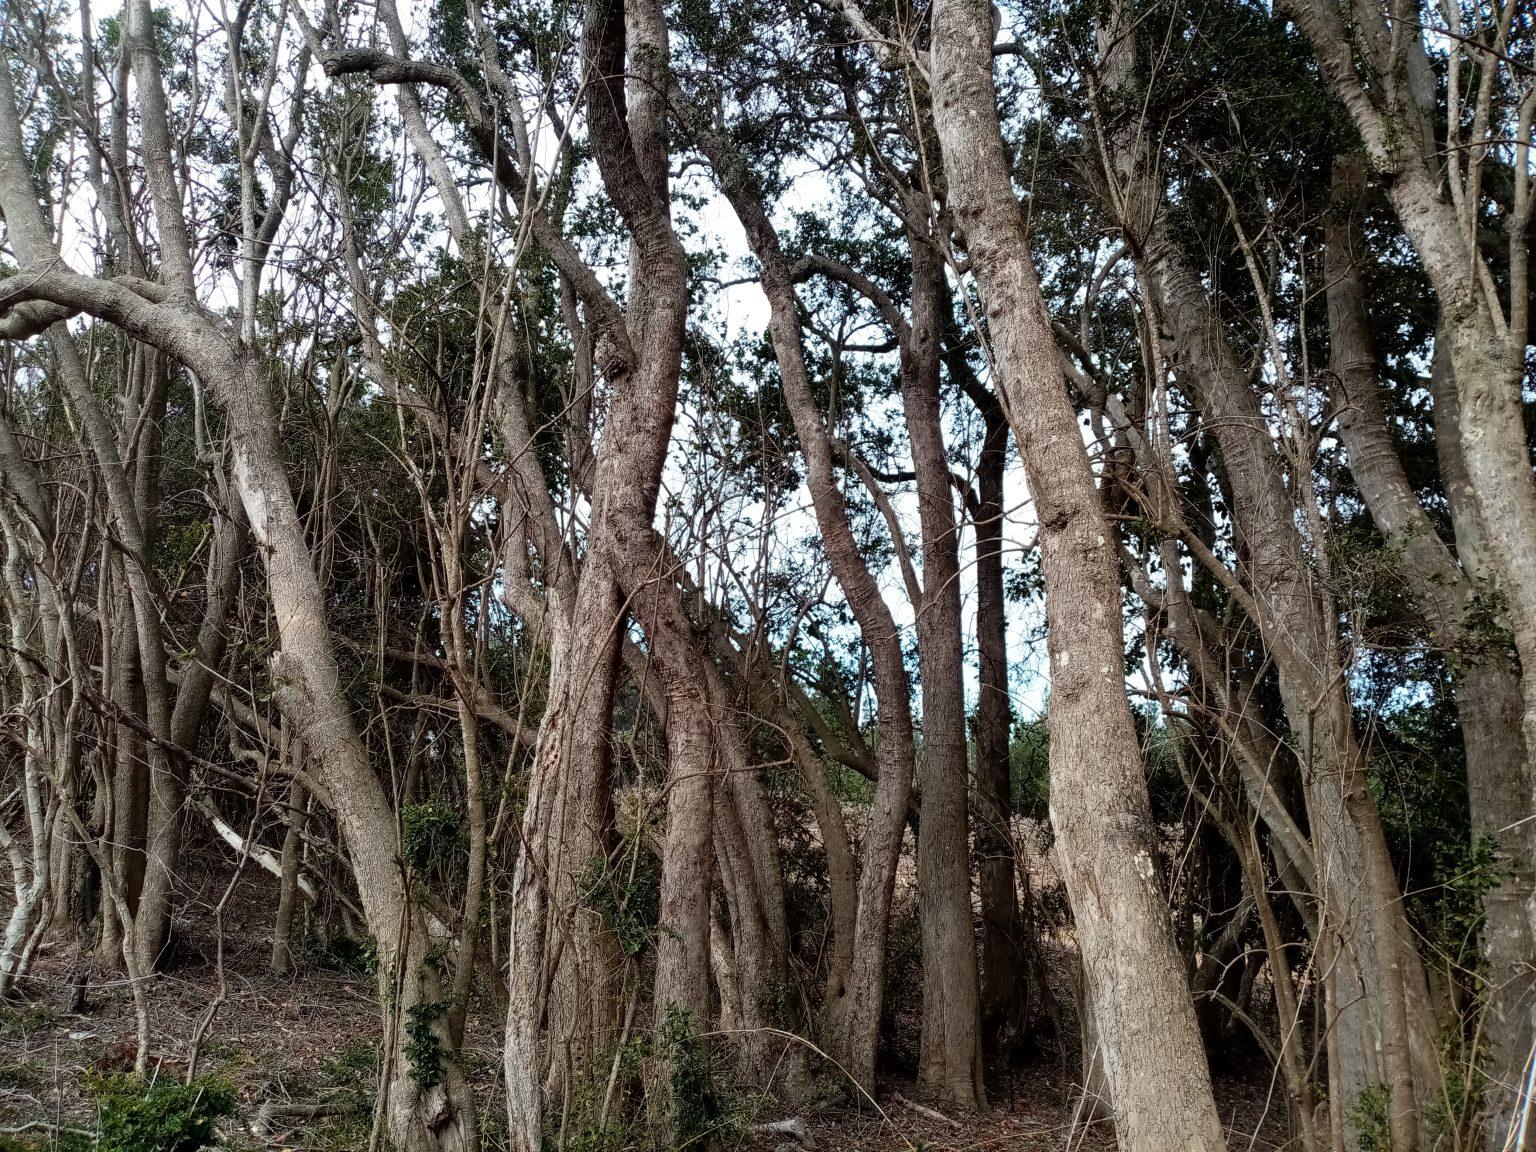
1484,344
1499,790
851,1014
1487,687
288,884
562,959
130,777
1158,1080
1296,620
423,1116
1363,908
1005,943
950,1064
630,148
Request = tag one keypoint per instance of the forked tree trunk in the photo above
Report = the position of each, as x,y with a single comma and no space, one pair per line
1158,1080
629,143
623,547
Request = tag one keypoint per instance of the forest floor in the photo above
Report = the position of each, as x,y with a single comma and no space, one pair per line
310,1038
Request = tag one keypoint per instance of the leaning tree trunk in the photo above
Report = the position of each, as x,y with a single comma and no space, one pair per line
1382,1029
427,1112
1158,1079
1381,1033
428,1107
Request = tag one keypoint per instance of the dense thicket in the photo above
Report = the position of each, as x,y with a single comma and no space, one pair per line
782,549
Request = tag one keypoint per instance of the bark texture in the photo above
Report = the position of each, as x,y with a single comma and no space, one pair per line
1154,1063
1487,686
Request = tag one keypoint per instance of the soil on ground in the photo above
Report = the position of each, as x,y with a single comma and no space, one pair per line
310,1039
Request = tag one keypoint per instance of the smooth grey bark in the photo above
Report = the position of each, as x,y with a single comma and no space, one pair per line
36,627
421,1116
1158,1079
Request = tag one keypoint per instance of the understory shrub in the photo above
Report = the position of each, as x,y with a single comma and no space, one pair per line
163,1116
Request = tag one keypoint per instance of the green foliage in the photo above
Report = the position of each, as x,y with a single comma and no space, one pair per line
24,1019
1451,1115
64,1141
1470,870
669,1092
1485,627
176,543
1029,757
431,833
163,1116
695,1109
1419,780
582,1125
775,1000
424,1052
627,894
1368,576
848,785
1369,1118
